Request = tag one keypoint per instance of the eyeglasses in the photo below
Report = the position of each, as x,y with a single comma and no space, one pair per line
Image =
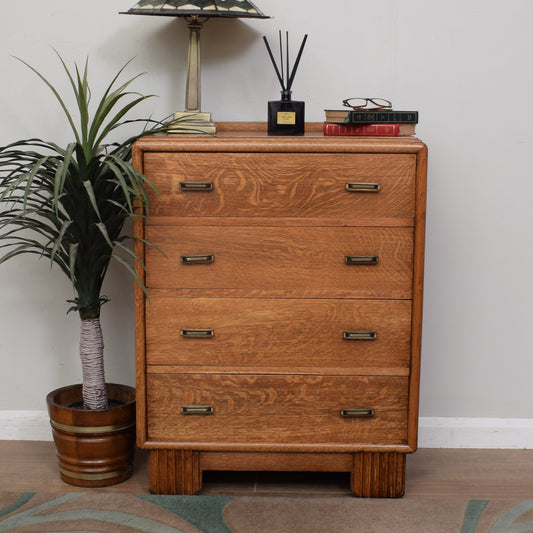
367,103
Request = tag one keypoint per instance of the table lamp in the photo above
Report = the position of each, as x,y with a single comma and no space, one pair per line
196,13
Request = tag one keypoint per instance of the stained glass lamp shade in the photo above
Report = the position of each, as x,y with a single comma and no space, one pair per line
202,8
196,12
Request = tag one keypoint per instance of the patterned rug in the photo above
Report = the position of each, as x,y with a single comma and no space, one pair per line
124,513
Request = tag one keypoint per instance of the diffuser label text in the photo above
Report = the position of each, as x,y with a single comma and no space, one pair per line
286,117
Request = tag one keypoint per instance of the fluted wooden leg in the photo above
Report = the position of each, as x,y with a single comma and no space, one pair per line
378,475
174,472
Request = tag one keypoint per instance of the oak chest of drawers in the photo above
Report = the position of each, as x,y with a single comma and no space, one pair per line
283,326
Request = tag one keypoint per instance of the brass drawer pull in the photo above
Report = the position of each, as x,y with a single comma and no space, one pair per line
197,333
197,410
361,259
362,187
197,259
195,186
360,335
357,413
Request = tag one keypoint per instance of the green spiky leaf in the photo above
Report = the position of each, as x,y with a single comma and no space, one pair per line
70,204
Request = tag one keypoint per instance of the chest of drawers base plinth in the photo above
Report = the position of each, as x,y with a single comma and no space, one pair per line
373,474
282,332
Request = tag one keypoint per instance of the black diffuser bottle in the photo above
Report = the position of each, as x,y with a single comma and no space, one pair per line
286,116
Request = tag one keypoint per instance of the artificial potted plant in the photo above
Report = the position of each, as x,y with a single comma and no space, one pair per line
69,205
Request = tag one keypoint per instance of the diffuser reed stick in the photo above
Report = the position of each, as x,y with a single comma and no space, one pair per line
285,82
297,62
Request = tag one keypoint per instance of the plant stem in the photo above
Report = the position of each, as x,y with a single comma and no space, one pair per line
92,362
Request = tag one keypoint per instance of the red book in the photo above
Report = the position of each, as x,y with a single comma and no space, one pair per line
369,130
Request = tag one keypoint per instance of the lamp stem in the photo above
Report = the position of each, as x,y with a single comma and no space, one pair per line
193,97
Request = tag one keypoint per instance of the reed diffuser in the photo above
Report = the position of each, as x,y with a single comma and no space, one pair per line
286,116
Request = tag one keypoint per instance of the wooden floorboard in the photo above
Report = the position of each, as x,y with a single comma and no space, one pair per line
431,473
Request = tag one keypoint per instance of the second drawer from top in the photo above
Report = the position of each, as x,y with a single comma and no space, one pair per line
370,262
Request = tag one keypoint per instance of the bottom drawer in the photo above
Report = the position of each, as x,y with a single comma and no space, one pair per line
268,409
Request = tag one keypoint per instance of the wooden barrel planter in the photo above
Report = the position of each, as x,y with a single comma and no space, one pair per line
95,448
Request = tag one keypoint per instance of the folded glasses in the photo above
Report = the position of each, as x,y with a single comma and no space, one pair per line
367,103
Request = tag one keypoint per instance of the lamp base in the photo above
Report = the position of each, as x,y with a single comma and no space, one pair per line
192,122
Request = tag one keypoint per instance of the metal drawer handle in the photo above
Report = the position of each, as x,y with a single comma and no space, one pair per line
197,410
361,259
197,333
197,259
195,186
360,335
357,413
362,187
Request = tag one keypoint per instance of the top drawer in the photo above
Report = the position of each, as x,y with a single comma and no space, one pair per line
282,185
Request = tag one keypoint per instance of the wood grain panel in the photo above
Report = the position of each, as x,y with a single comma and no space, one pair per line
174,472
281,258
277,462
278,332
277,409
378,475
282,185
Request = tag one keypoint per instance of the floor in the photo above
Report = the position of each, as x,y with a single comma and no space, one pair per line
431,473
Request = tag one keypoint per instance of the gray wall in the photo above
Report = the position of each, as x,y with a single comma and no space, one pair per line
464,64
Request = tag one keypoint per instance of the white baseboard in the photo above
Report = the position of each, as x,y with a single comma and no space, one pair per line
25,425
506,433
443,432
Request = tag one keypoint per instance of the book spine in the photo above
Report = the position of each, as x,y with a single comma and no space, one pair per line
382,117
384,130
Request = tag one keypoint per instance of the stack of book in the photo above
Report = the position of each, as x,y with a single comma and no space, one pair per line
388,123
